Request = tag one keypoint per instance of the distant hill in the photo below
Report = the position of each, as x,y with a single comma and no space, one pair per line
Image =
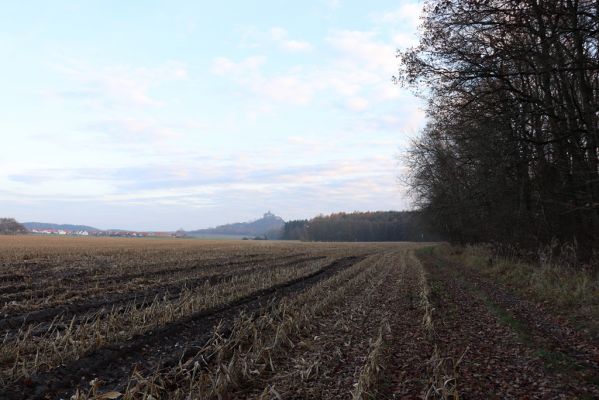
269,225
66,227
9,226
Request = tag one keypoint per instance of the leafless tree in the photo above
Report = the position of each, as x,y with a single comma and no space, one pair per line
510,152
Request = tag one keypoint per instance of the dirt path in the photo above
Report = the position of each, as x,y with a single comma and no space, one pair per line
497,362
563,349
168,344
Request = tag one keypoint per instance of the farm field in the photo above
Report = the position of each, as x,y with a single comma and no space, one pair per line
100,318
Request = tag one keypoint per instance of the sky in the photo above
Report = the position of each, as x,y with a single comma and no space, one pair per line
159,115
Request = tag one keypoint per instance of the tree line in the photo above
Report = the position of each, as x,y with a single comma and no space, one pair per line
510,150
360,226
9,226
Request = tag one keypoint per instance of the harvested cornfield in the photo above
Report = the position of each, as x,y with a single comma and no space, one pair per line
93,318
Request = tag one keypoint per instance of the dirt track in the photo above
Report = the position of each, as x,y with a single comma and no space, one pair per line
503,349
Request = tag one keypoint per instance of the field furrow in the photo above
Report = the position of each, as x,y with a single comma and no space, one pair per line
112,302
179,333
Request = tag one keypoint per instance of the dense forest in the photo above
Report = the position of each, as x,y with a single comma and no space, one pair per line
361,227
510,151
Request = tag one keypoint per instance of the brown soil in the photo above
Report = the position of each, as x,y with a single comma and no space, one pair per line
159,348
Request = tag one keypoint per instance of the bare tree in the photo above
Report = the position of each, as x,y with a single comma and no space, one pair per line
510,152
8,226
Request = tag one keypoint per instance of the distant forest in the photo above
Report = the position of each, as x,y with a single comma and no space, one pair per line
360,226
8,226
510,153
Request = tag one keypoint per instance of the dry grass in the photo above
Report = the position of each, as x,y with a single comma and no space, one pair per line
555,279
346,352
557,282
258,346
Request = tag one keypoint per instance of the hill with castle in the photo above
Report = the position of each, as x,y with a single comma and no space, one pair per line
269,225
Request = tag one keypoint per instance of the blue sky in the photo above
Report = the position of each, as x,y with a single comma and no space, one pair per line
167,114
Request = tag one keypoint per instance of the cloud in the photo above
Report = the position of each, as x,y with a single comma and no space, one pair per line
226,66
356,75
357,104
128,128
363,48
289,87
407,122
280,37
332,4
240,178
118,84
407,16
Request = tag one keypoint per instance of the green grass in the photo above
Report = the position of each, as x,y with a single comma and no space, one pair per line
566,291
553,360
428,250
507,319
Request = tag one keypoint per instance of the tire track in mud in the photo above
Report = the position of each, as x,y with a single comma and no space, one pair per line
165,345
141,298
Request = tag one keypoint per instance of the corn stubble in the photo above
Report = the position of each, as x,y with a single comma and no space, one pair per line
294,341
442,371
253,346
66,340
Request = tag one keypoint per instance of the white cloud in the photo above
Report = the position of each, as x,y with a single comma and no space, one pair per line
357,104
404,40
118,84
333,4
226,66
407,16
245,177
357,74
289,87
135,129
363,48
281,38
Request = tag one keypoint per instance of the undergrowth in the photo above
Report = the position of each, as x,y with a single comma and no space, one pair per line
557,282
552,279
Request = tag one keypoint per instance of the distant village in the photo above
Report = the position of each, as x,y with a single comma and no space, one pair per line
118,233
